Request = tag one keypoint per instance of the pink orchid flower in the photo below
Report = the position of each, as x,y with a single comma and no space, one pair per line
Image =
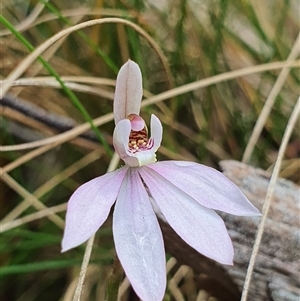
185,193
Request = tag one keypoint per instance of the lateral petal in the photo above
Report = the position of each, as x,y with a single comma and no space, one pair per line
156,132
138,239
129,91
207,186
121,140
200,227
89,207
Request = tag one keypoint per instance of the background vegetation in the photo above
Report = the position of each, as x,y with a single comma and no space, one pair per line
187,42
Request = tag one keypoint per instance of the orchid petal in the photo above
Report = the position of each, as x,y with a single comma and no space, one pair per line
200,227
138,239
156,132
129,91
121,140
207,186
89,207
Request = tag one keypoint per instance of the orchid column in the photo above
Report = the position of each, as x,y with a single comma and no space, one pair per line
185,194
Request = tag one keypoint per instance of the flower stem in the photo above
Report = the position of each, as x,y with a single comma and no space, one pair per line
114,281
